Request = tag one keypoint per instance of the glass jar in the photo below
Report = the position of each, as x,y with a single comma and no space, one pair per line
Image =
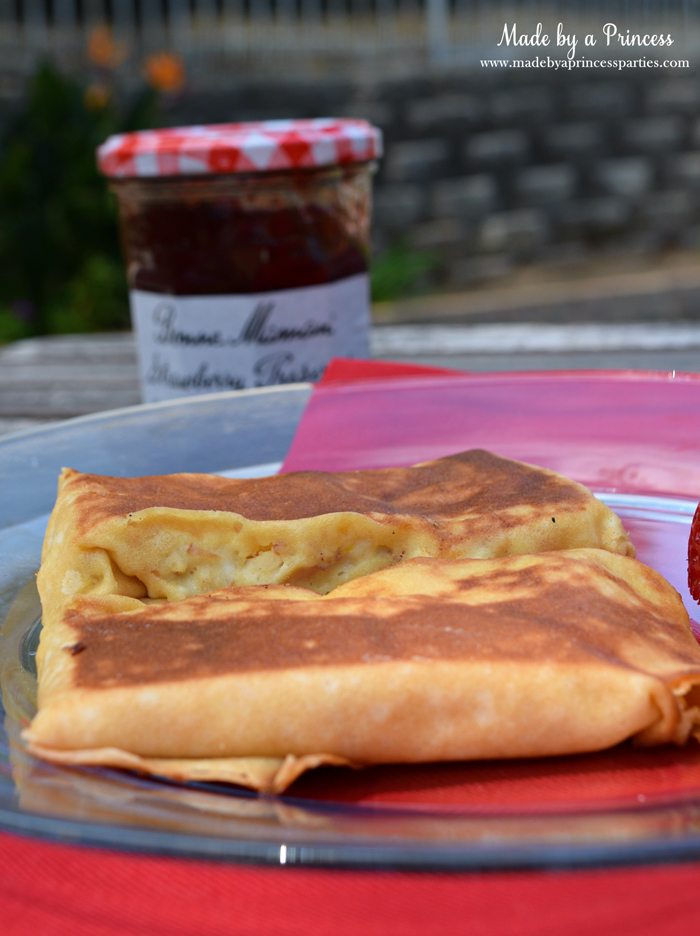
246,249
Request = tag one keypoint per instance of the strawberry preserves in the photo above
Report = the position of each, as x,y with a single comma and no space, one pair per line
246,248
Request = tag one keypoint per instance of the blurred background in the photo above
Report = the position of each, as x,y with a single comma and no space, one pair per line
505,193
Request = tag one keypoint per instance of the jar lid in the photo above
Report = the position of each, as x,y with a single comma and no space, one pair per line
265,146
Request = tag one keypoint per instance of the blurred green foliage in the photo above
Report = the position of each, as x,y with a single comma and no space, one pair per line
400,271
60,263
61,268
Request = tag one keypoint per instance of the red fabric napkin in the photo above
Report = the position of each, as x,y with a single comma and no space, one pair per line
350,370
367,415
55,889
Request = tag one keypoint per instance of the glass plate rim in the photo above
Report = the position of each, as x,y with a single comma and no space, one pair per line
344,854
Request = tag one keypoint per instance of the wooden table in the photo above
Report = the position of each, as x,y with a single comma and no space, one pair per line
43,380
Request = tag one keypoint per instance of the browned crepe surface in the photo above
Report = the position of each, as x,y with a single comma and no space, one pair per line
473,482
176,536
429,660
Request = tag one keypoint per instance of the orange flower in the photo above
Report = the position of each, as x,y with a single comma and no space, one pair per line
165,71
96,96
103,49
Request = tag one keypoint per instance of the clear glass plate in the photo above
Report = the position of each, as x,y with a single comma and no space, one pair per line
619,806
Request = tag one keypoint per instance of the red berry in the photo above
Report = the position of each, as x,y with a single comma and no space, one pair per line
694,556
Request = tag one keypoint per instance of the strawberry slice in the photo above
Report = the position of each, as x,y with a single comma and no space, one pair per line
694,556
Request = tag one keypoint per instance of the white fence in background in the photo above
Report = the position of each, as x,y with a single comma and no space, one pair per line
433,29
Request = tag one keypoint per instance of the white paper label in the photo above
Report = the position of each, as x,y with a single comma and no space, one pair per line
206,344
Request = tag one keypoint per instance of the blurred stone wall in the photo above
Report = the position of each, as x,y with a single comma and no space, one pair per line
553,171
487,171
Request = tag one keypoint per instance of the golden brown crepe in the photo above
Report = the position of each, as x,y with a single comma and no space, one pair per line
176,536
429,660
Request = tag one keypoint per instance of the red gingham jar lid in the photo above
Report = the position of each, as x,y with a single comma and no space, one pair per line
264,146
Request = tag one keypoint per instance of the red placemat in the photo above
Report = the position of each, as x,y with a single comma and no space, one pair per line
57,890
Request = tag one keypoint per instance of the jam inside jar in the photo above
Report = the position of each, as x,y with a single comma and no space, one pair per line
245,233
242,278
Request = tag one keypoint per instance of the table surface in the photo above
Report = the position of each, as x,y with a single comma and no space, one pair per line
43,380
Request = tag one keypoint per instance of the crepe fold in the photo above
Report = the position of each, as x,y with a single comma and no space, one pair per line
429,660
176,536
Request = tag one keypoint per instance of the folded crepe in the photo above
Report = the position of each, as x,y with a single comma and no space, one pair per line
429,660
176,536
